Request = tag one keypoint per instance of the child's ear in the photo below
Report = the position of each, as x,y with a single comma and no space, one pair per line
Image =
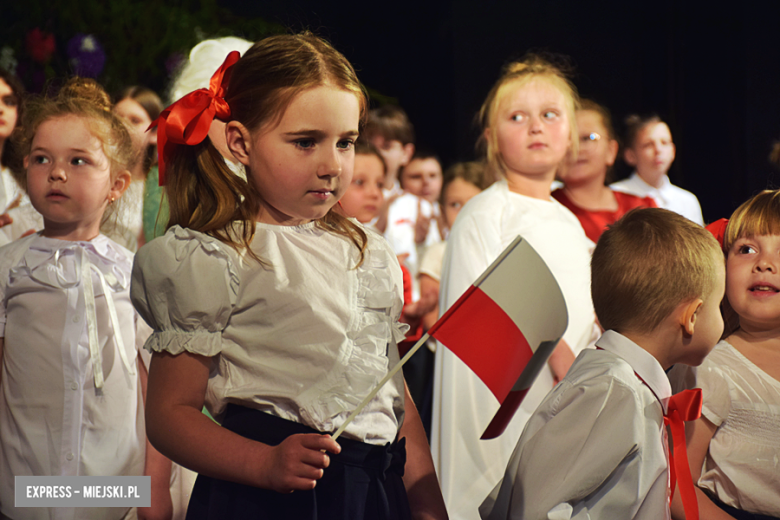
239,141
408,153
612,151
630,156
120,184
688,314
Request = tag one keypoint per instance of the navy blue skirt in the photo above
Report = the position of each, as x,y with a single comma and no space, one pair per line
364,481
738,513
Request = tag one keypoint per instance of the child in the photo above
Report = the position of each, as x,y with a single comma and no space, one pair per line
529,127
140,106
734,447
274,310
595,446
389,129
413,218
584,191
363,198
71,379
650,150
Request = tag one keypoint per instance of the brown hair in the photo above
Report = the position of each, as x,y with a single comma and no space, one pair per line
473,172
634,123
85,98
153,106
390,122
203,193
648,263
516,74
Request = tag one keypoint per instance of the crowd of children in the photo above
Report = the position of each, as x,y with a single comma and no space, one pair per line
226,279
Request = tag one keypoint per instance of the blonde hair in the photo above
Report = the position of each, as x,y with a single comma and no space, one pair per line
648,263
84,98
516,74
203,193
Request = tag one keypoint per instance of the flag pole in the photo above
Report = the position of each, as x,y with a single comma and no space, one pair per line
384,380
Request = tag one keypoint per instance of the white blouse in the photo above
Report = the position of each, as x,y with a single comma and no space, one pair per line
742,467
70,395
304,336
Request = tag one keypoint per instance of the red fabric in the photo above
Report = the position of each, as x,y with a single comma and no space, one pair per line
189,119
495,349
718,230
595,222
685,406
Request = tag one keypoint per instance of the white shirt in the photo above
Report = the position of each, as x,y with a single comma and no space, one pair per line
742,467
53,418
667,196
304,337
400,232
594,449
468,467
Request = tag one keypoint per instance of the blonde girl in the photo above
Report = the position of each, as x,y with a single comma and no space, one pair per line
734,448
72,380
273,309
529,129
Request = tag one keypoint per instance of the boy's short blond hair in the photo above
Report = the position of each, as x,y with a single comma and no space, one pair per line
647,264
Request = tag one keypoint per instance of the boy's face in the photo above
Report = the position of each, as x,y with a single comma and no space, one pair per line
422,177
395,153
709,323
653,151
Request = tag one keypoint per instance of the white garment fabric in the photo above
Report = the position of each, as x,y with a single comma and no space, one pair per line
468,467
56,416
667,196
432,260
400,234
24,216
742,467
10,190
128,221
303,336
594,449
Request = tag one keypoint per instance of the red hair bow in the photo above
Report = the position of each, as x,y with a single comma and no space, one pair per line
188,120
718,230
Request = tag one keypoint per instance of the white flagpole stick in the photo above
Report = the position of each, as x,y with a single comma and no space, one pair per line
384,380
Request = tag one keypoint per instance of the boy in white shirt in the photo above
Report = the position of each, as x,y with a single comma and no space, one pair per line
651,151
595,447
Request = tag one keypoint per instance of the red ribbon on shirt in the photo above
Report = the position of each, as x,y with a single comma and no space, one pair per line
189,119
685,406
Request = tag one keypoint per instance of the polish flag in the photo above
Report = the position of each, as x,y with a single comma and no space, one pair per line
505,326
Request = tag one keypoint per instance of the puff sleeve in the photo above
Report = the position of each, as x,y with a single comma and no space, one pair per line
184,285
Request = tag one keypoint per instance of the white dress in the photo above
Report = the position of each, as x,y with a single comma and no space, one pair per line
56,415
742,466
468,467
304,336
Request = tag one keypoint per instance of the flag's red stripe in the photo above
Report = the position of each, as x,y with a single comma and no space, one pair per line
485,338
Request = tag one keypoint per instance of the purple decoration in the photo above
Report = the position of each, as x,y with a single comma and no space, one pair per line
86,55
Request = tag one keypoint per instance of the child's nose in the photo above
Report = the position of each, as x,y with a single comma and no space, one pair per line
57,173
331,165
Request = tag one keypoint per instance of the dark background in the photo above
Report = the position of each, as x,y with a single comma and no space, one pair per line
711,71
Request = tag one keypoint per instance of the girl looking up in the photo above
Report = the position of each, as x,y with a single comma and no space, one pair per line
651,151
734,448
529,127
585,192
272,308
72,380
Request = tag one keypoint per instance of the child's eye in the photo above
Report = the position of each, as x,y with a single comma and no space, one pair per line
40,159
357,182
550,114
455,205
345,144
746,249
518,117
78,161
10,101
304,143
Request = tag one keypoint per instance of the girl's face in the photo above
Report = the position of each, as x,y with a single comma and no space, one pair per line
138,121
8,110
69,178
532,129
364,196
302,166
456,194
422,177
752,280
653,151
597,152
